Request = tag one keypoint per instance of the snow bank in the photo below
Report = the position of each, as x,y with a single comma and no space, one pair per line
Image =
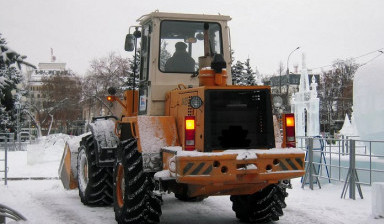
40,160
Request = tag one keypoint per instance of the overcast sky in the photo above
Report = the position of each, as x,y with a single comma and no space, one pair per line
266,31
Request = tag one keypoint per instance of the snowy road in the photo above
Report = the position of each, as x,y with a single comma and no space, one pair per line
46,201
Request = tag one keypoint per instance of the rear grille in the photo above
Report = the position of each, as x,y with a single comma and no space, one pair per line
238,119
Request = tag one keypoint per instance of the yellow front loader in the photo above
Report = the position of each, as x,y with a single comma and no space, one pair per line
185,129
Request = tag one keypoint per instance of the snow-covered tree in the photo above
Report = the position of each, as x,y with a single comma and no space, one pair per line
242,72
133,67
10,76
164,55
238,74
258,77
249,75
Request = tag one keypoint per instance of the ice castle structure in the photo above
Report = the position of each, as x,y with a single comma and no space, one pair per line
305,106
368,103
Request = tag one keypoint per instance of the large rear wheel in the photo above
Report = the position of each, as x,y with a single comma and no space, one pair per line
134,199
263,206
95,183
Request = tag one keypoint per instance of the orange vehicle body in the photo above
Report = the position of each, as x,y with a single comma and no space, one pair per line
217,172
185,128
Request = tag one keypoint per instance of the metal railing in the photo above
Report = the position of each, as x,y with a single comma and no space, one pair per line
4,157
344,160
13,144
10,139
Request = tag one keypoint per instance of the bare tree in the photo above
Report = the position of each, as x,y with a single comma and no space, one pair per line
60,107
111,71
336,93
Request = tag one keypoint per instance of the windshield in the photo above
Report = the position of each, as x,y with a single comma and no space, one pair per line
182,43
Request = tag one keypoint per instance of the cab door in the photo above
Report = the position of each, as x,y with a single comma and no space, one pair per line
144,83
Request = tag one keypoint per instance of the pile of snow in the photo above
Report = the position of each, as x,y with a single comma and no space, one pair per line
41,159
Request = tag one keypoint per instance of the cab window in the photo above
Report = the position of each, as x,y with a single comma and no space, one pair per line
182,43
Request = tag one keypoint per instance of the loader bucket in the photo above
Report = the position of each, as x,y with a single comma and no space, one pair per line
66,171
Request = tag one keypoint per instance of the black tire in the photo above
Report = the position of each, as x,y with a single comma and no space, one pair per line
134,199
263,206
95,183
184,197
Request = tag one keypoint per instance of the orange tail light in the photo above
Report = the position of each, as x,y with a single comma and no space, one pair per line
189,133
289,135
111,98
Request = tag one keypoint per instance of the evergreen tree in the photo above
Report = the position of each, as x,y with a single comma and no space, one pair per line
132,68
164,55
258,77
10,76
238,74
249,75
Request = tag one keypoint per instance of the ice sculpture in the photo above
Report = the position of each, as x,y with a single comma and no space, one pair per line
305,106
368,101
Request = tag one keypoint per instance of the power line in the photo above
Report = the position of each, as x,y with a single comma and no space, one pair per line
381,53
354,58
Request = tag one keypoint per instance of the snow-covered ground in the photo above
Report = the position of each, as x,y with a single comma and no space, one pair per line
46,201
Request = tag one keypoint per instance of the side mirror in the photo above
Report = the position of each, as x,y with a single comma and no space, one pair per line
112,91
129,42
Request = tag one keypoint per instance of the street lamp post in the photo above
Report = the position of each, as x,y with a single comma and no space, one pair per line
288,59
288,73
17,104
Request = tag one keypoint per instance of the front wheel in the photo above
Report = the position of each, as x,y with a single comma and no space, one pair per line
134,200
265,205
95,183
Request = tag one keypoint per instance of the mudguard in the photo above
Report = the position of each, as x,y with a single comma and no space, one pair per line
106,141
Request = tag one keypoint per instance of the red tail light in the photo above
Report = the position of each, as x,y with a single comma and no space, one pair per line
189,133
289,135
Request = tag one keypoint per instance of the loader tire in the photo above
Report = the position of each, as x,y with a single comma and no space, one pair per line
134,199
95,183
263,206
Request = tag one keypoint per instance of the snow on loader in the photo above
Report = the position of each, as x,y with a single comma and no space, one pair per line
185,129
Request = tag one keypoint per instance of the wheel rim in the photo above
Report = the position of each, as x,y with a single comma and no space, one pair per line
83,171
120,186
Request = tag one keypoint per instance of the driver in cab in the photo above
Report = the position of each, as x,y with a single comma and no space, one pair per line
181,61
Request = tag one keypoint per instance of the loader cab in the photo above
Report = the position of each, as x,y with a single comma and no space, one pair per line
171,45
